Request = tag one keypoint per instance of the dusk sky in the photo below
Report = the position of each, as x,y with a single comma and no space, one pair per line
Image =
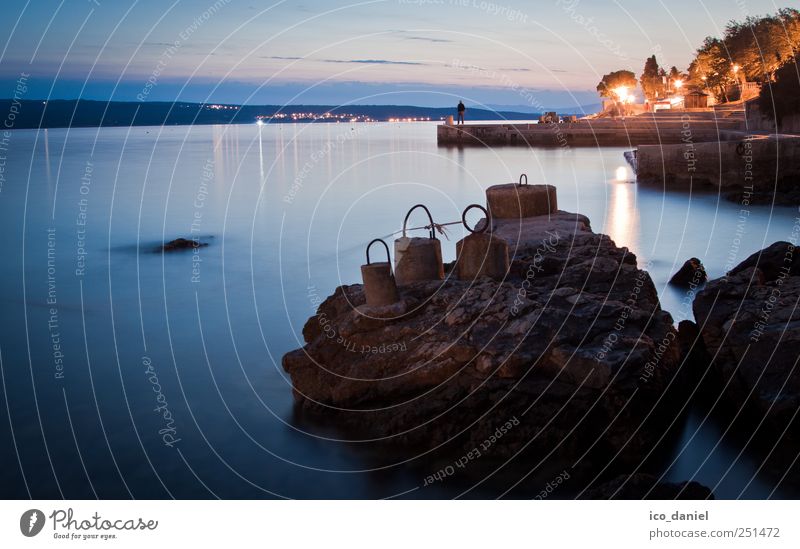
425,52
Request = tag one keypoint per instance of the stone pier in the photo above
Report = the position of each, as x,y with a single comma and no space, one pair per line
659,128
756,163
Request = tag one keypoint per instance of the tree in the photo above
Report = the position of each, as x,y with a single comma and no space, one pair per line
756,46
652,79
789,19
782,97
760,45
675,74
615,80
753,49
711,68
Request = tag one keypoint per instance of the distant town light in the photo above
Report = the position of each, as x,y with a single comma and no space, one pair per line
678,84
735,69
260,122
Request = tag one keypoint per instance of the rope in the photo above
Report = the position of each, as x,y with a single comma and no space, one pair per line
439,227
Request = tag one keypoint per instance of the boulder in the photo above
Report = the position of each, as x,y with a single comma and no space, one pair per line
750,323
572,348
690,274
772,261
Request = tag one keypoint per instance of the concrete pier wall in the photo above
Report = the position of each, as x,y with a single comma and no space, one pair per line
632,131
749,163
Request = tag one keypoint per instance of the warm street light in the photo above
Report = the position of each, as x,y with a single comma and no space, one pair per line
621,93
679,83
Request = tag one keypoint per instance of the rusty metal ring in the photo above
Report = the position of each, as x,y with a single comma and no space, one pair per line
430,218
388,257
520,179
464,218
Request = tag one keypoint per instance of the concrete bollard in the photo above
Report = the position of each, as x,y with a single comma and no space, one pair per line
481,253
379,284
516,200
417,259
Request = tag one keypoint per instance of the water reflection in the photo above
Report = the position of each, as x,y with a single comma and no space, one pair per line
622,223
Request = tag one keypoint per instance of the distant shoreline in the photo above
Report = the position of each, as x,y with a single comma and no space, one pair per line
82,113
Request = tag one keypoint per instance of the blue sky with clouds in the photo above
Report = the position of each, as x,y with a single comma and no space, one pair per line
547,53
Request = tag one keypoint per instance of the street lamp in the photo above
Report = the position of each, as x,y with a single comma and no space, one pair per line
622,97
736,75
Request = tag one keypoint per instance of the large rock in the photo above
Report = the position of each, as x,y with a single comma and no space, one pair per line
691,274
772,261
750,323
572,346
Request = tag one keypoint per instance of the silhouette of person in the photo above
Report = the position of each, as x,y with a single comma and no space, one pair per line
461,109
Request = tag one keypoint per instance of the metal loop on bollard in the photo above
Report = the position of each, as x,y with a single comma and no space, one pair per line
526,179
430,217
388,258
464,218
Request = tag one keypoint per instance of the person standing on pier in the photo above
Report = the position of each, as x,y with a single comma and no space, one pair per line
461,109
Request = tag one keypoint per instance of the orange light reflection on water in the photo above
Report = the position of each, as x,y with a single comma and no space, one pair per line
622,222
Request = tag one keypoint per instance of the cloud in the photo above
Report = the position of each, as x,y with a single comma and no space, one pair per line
406,35
357,61
426,39
372,61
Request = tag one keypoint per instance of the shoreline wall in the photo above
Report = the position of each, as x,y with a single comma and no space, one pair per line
629,132
758,163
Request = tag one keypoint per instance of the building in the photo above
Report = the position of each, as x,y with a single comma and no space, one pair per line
695,100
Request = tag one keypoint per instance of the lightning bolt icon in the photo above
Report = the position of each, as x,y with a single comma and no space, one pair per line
33,520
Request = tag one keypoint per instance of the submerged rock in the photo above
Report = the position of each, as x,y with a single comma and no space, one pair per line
572,348
691,273
181,244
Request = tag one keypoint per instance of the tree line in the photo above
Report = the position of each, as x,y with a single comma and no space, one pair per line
754,50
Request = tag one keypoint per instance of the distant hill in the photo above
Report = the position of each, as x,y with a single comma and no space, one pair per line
63,113
574,109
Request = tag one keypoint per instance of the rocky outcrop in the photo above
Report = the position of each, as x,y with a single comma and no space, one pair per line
750,323
572,349
690,274
643,486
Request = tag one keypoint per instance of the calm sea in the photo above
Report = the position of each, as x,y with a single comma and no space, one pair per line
128,373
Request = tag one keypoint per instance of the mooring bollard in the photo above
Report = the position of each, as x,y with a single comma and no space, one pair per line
417,258
481,253
379,285
515,200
